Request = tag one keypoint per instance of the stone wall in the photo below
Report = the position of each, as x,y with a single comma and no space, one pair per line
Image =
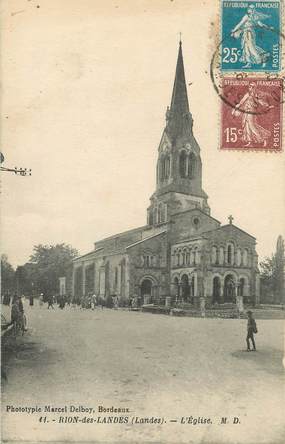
148,260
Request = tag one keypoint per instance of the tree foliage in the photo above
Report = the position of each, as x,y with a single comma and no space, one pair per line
272,272
7,276
46,265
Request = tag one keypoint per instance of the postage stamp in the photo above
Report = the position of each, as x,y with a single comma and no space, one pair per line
251,115
251,35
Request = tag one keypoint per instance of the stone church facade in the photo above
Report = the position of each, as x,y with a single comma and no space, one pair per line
182,251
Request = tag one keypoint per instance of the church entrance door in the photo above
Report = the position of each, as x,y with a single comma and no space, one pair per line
229,289
146,291
216,290
185,287
241,287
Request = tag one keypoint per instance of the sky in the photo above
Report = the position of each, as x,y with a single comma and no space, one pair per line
85,89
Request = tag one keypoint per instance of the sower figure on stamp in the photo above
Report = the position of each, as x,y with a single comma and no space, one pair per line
251,329
252,132
246,30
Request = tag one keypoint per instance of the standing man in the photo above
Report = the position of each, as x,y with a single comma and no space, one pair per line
15,314
251,329
94,301
50,301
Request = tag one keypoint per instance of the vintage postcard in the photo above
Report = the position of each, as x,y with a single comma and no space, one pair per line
142,222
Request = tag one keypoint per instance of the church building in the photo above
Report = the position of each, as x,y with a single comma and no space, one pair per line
182,252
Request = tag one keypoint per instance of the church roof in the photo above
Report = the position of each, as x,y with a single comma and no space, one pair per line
121,234
86,255
223,227
179,119
196,209
146,239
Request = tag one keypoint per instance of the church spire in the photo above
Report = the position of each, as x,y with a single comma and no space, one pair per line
179,165
179,121
179,100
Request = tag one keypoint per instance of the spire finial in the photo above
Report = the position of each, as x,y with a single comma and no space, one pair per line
180,37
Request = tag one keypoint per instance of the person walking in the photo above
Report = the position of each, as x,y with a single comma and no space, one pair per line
31,298
94,301
20,304
61,301
50,301
251,330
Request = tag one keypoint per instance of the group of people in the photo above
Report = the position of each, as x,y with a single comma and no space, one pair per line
91,301
60,300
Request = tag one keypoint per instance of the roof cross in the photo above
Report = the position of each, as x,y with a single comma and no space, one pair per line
231,219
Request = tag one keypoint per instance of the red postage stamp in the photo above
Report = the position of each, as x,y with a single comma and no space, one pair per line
251,114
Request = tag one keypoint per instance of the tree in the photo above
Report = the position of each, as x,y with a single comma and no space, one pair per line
272,273
46,265
8,284
279,269
25,276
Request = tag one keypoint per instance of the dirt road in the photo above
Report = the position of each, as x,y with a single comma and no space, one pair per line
155,366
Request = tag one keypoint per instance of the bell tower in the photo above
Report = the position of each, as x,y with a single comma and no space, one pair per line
179,166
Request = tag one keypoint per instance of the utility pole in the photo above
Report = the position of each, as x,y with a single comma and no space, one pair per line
15,170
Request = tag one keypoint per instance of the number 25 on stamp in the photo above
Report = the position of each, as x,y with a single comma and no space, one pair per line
250,35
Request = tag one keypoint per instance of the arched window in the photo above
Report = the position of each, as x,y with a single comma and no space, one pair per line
184,257
180,258
195,253
176,287
116,276
164,168
177,258
241,287
198,256
238,257
149,260
183,164
150,217
167,167
161,169
221,256
155,216
161,213
230,254
191,165
245,257
214,255
188,257
192,257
